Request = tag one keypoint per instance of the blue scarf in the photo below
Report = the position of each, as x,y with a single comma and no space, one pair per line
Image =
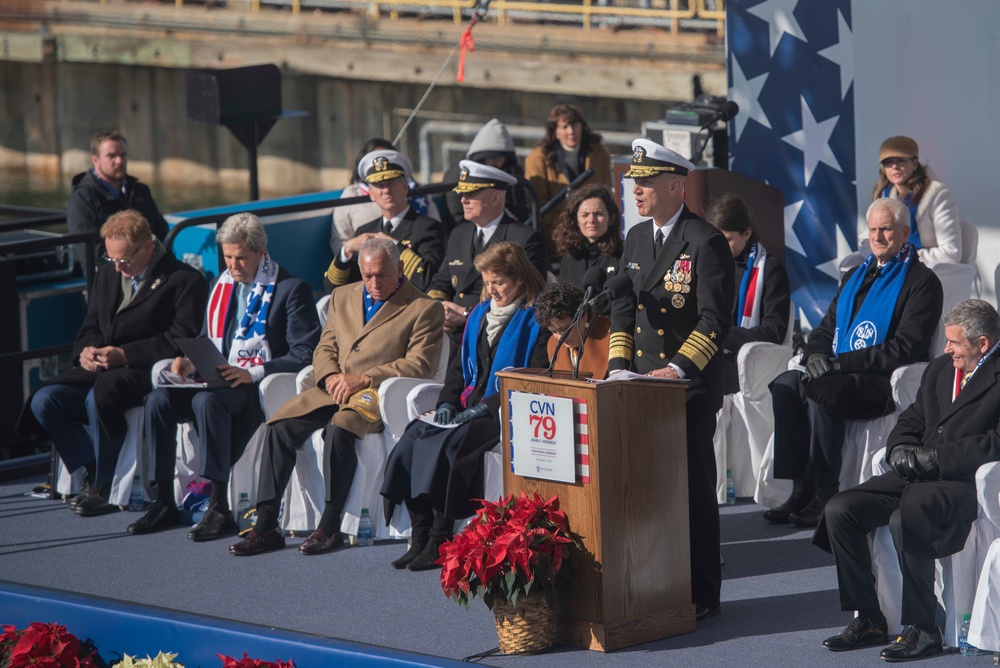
870,325
514,349
908,202
371,306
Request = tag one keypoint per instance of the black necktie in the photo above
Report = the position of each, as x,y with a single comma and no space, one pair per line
479,242
658,243
387,227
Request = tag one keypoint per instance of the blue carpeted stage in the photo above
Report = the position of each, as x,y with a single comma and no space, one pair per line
144,594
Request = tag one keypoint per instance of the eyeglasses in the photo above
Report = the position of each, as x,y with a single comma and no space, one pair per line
559,331
124,260
892,162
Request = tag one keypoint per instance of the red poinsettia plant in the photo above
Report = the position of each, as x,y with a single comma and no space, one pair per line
247,662
512,547
47,645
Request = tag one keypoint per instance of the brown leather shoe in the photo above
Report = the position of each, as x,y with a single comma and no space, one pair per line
319,542
255,543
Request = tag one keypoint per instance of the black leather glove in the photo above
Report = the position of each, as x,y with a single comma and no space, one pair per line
445,413
925,463
901,460
477,411
818,365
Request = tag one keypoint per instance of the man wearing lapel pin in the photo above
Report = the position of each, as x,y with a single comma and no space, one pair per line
143,299
263,320
380,328
672,325
457,283
928,499
420,238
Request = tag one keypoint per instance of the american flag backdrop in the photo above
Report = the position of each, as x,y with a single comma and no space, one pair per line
791,70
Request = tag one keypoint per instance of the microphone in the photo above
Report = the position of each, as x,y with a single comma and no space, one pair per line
725,112
616,288
593,282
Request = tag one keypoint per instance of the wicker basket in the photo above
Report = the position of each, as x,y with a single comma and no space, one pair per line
527,628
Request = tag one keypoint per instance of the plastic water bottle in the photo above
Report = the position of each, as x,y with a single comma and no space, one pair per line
730,488
963,639
366,531
137,499
244,521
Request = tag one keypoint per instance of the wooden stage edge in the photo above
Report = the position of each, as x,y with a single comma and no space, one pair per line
627,632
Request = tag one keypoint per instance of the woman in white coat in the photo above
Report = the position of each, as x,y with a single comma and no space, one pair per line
934,226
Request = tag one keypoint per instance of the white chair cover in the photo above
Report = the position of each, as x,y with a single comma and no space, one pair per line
955,575
305,497
746,420
862,440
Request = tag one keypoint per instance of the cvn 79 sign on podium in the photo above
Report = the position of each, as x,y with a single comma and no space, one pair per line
541,437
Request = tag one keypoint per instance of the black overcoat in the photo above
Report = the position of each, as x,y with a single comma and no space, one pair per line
862,389
937,516
170,304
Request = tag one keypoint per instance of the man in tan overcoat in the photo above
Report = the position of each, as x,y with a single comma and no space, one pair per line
380,328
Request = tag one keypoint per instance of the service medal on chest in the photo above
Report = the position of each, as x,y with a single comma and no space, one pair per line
677,301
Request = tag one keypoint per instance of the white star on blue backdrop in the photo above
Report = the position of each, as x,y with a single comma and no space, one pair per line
791,70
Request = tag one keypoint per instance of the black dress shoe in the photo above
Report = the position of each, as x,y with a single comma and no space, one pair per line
912,644
860,633
319,542
157,518
214,524
84,492
96,503
810,516
255,543
802,492
702,613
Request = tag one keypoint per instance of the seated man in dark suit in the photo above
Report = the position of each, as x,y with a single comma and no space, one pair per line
142,300
261,318
883,317
420,238
928,500
457,283
380,328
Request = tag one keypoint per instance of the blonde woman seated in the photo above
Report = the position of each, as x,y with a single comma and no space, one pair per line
438,470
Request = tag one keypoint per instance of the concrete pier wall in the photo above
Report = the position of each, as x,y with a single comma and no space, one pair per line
68,69
48,112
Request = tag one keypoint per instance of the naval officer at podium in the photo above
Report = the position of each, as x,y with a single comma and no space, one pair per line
672,325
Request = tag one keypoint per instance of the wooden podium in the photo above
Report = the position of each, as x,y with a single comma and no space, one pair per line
631,581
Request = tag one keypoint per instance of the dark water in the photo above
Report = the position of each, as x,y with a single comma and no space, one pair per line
20,188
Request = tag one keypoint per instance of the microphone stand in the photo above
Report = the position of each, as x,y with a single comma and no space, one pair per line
562,338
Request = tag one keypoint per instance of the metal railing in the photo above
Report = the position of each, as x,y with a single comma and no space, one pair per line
698,13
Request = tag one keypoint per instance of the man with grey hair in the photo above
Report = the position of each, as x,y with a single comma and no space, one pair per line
928,499
883,317
263,320
379,328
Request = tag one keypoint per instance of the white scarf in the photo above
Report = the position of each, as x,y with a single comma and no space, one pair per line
249,346
498,316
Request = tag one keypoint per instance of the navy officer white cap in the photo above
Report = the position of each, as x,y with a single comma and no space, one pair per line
651,159
384,164
473,176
